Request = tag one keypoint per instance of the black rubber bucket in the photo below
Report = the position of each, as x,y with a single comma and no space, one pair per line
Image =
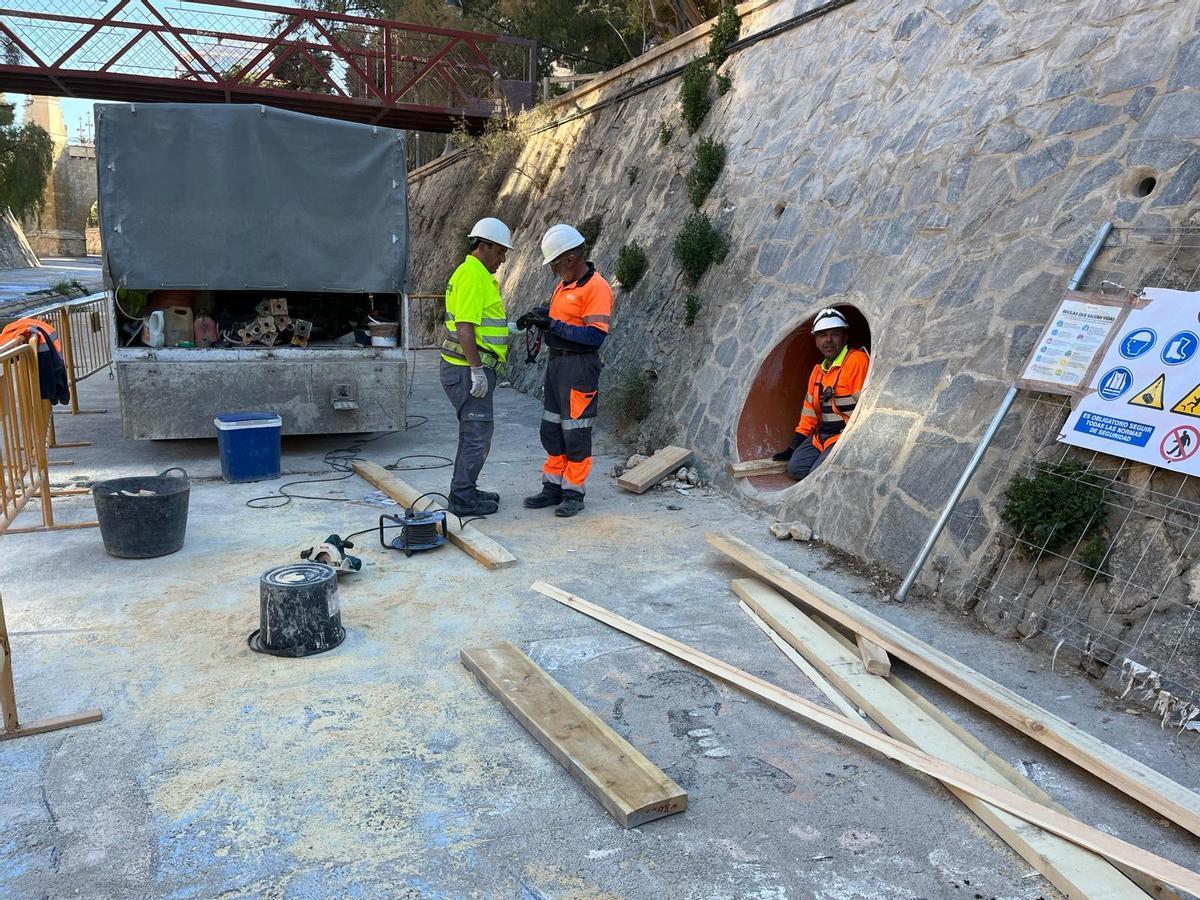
299,613
139,526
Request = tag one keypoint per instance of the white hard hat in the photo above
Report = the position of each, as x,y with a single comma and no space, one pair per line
828,319
558,240
493,231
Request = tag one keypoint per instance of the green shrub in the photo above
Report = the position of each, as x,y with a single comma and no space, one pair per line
631,265
1092,554
693,309
710,160
590,228
664,133
724,84
632,398
1058,504
694,95
724,33
698,246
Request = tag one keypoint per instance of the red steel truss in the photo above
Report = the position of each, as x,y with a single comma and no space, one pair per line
234,51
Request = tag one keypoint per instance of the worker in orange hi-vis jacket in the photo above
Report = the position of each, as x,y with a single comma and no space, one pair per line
833,391
575,325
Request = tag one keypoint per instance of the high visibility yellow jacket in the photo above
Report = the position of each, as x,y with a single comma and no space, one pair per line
826,411
474,296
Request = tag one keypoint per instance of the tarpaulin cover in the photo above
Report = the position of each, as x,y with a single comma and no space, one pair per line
248,197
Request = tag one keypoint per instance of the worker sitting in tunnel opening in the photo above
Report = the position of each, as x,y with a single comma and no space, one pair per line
833,391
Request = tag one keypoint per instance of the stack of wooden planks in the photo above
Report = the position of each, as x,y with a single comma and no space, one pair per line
1083,861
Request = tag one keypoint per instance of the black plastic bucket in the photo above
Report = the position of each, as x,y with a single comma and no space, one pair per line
139,526
299,612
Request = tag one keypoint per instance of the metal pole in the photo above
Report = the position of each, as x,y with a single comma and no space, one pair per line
984,442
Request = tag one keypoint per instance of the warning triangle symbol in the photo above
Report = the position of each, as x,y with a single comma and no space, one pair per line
1151,395
1189,404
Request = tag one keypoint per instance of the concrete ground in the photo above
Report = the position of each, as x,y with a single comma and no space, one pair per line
17,284
383,769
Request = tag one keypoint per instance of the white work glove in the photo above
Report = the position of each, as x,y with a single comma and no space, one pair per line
479,385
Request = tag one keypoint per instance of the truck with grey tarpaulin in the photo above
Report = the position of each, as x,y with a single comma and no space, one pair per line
257,260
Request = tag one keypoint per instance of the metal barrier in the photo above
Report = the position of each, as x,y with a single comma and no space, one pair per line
25,434
22,446
85,329
10,726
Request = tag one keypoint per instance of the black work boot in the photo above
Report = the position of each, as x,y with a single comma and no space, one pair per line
572,502
551,495
487,495
479,506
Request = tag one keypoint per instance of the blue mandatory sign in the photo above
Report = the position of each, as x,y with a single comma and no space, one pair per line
1115,383
1180,348
1138,342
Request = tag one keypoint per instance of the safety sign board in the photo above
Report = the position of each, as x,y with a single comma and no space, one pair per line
1144,399
1075,336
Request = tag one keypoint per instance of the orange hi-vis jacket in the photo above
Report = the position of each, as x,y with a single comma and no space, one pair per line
23,329
585,303
826,412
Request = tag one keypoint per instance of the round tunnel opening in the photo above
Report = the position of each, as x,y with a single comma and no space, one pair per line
776,395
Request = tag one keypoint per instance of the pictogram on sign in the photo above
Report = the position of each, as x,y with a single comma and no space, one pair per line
1189,403
1115,383
1180,443
1151,396
1138,342
1179,348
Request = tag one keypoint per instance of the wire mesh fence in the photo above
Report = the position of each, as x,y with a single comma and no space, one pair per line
1097,556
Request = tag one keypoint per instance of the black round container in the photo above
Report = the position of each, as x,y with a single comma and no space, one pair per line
139,527
298,611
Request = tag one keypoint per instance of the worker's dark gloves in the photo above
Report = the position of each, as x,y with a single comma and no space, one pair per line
786,455
538,317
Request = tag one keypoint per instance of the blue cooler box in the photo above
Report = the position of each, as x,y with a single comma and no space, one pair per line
249,445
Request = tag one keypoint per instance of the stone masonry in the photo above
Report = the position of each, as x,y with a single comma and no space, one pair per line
941,166
59,229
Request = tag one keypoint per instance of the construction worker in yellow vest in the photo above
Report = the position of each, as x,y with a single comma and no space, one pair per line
475,344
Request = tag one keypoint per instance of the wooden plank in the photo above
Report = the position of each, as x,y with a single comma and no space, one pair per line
629,786
750,467
832,694
469,539
1074,871
646,475
1004,798
874,658
1135,778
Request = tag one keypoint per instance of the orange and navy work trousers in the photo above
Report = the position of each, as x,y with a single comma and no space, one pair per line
572,389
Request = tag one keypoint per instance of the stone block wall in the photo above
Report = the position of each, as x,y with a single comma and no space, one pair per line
942,168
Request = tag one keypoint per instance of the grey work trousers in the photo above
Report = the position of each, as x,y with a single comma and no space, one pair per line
475,427
805,459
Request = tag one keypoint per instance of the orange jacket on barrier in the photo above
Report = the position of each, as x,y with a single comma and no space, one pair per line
826,411
22,329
